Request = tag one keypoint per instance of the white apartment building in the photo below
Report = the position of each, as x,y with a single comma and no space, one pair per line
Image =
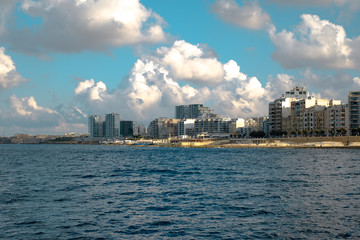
212,125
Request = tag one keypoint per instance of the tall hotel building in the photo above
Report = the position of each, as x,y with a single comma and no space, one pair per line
191,111
354,112
96,126
112,125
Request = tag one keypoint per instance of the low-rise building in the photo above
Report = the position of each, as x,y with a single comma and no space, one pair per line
212,125
163,128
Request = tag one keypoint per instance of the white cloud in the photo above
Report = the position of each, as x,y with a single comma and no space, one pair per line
74,26
25,112
152,90
25,115
8,76
95,90
316,43
191,63
357,81
329,86
27,106
232,71
279,84
249,16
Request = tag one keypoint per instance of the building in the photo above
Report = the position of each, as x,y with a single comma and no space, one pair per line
354,112
296,93
303,114
315,120
155,127
279,110
163,128
141,130
96,126
128,129
245,132
236,124
192,111
337,122
186,127
212,125
112,125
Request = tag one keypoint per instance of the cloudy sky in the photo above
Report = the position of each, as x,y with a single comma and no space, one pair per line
62,60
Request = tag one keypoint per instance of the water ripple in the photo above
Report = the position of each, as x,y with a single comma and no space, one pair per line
115,192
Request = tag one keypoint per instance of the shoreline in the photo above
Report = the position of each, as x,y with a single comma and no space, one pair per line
352,142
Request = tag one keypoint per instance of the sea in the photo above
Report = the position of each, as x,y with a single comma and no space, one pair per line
122,192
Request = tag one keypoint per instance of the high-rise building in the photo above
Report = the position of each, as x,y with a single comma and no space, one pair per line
96,126
128,128
354,112
182,112
112,125
192,111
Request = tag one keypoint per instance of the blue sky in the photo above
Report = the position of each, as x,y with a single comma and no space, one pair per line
63,60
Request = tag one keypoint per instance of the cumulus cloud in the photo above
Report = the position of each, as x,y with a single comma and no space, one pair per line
152,90
279,84
8,76
357,81
25,115
191,63
329,86
316,43
27,111
250,15
74,26
95,90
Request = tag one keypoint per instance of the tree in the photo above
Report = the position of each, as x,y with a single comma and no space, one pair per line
343,131
305,132
312,131
257,134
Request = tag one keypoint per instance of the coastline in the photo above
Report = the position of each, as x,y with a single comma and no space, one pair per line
301,142
295,142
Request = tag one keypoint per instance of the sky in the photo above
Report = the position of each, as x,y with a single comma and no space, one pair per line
63,60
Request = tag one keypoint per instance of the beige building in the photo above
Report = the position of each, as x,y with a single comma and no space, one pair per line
303,114
163,128
280,109
337,122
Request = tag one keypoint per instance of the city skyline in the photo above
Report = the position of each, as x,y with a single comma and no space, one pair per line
61,61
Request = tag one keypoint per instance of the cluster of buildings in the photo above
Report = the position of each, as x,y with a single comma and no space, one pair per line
295,113
191,121
111,126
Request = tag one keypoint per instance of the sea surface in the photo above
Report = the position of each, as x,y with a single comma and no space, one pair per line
118,192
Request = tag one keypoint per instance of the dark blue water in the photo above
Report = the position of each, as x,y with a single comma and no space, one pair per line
115,192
